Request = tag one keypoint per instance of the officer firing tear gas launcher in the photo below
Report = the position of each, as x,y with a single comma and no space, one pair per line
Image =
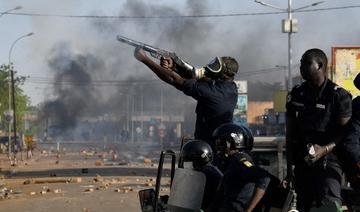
181,67
212,85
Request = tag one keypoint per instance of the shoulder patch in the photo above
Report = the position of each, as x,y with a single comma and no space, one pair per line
336,87
246,162
288,99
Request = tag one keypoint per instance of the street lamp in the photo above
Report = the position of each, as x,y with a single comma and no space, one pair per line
7,11
12,91
289,26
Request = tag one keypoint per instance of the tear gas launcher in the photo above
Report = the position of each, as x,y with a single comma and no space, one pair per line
181,67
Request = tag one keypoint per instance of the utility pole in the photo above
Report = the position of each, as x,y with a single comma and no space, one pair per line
289,26
12,94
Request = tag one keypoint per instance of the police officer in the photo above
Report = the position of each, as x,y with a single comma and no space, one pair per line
198,155
214,90
244,184
317,111
350,148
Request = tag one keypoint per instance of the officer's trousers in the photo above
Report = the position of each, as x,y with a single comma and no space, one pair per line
317,183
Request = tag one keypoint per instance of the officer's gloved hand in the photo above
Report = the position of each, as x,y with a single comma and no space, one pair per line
167,62
315,152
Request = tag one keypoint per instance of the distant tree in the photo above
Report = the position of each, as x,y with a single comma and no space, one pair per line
22,101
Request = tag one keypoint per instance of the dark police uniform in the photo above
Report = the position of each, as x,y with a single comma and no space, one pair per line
350,148
316,116
241,178
216,101
213,179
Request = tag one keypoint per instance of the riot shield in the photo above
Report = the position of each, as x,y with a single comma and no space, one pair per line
186,191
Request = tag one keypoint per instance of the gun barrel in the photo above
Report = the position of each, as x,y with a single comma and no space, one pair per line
137,44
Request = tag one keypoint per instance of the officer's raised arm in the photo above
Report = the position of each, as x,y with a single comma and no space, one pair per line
166,74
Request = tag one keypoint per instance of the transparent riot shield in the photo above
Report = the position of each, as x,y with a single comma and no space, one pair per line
186,191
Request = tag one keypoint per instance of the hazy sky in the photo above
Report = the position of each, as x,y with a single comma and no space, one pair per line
256,41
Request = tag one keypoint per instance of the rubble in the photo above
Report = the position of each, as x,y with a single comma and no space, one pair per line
76,180
42,181
28,181
147,161
57,191
88,190
102,187
98,178
87,186
126,189
99,163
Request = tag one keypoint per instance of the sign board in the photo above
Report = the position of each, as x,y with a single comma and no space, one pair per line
279,99
345,67
241,109
8,114
241,86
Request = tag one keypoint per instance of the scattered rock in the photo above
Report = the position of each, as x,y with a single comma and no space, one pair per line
57,191
99,163
98,178
147,161
88,190
76,180
27,182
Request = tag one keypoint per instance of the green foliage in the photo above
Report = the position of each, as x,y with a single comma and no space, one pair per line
22,101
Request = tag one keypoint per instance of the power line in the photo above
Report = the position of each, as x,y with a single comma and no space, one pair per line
49,81
180,16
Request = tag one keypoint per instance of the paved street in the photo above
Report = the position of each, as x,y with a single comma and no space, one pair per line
76,181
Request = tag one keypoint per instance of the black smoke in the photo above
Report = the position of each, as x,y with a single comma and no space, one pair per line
74,93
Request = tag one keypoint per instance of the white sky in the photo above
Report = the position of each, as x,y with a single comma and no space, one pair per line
316,29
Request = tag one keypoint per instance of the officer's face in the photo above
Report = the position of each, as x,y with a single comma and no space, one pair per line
309,68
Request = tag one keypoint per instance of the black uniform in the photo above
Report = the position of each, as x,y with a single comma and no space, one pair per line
241,177
350,148
316,116
216,102
213,178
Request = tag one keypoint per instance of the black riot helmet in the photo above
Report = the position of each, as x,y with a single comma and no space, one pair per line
198,152
231,136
